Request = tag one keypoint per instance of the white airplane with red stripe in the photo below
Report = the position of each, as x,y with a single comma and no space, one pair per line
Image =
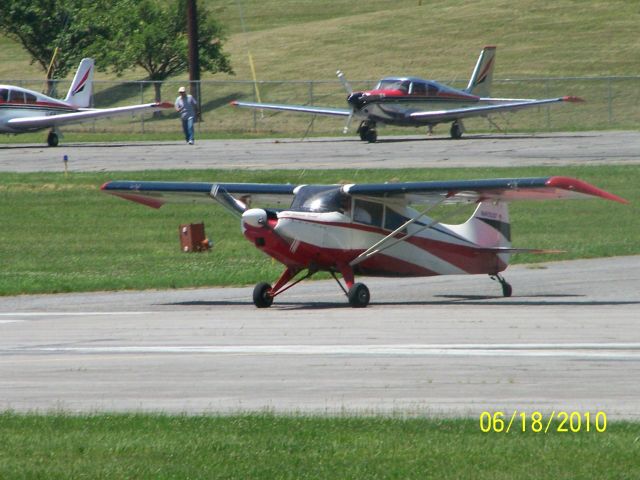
23,110
415,102
380,229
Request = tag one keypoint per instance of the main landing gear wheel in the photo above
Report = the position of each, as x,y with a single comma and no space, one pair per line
52,139
261,296
456,131
368,132
358,295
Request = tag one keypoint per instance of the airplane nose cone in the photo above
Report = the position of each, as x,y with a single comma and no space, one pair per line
356,99
255,217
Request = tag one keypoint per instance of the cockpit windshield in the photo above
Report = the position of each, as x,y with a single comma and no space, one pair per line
320,199
393,84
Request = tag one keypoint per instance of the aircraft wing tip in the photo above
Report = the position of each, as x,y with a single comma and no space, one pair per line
575,185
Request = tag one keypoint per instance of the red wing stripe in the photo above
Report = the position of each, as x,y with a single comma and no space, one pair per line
575,185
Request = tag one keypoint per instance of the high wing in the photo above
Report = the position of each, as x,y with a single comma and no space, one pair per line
340,112
80,116
156,194
451,115
472,191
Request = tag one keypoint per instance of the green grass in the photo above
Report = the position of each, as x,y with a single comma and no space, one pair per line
276,447
61,234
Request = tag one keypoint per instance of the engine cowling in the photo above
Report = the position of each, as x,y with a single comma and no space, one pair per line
255,217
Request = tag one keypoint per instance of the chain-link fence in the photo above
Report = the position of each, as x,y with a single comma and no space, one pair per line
611,103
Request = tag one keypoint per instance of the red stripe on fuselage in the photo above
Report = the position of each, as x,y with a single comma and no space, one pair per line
466,258
49,106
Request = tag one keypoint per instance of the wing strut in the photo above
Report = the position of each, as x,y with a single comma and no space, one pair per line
384,244
224,198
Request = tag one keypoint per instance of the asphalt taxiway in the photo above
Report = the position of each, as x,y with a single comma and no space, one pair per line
553,149
568,340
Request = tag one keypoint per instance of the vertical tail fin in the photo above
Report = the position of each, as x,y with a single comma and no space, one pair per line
482,76
81,88
489,225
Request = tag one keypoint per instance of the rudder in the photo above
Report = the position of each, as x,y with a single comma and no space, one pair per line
79,93
482,76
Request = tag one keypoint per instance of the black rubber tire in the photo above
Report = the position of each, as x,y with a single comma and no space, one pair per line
359,295
506,290
456,131
52,139
371,136
261,296
363,130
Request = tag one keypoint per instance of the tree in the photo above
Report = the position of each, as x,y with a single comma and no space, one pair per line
153,35
41,26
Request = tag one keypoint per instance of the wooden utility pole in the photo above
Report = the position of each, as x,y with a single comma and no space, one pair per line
194,59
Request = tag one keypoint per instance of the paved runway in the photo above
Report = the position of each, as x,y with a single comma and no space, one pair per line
568,340
585,148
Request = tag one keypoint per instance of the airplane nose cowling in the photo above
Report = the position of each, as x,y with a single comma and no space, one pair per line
255,217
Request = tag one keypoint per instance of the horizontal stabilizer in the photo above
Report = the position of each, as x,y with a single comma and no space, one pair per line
520,250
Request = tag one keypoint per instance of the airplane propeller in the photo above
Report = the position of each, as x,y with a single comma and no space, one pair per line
344,82
349,89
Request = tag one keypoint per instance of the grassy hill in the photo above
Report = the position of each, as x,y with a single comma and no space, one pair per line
307,39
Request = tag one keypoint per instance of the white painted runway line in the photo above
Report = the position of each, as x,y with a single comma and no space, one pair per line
67,314
602,351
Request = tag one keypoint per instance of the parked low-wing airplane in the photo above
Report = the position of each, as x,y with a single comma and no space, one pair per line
369,229
415,102
23,110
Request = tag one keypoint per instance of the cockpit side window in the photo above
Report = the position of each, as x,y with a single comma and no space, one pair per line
16,96
4,95
369,213
393,84
393,219
418,88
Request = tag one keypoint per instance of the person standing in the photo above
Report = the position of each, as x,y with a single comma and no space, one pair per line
186,106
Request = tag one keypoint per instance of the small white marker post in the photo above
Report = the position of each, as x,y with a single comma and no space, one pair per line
65,159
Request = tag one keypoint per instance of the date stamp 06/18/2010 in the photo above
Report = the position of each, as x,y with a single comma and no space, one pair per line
537,422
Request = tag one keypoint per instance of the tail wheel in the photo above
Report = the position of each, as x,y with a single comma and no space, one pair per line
507,290
358,295
262,295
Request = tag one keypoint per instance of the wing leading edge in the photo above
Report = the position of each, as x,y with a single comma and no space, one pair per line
340,112
467,112
156,194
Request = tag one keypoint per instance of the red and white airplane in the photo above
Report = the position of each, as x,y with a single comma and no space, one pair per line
415,102
369,229
23,110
